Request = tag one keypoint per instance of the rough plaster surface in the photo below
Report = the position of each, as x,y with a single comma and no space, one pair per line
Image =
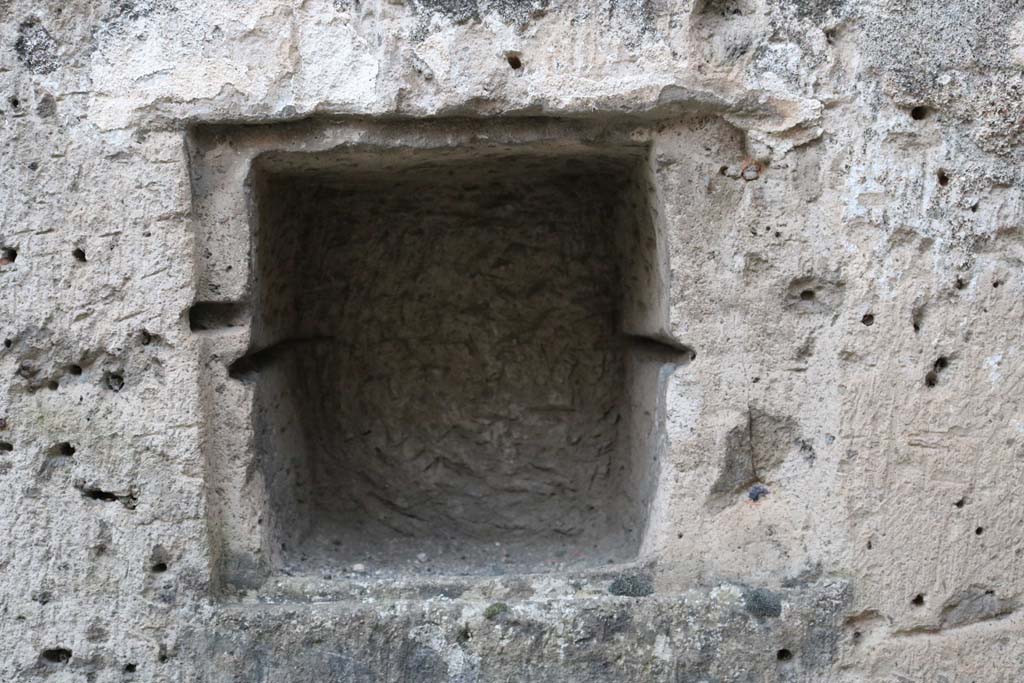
835,194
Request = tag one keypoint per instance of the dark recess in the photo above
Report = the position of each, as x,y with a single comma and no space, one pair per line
448,373
57,655
206,316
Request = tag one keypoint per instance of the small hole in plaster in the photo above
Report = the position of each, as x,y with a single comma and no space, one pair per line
57,655
918,318
868,319
75,369
79,254
146,338
6,446
932,378
960,503
869,545
979,531
514,61
807,295
784,655
997,283
53,385
919,113
129,668
63,449
8,255
114,381
960,284
14,102
158,567
26,370
918,600
757,492
943,178
8,343
97,494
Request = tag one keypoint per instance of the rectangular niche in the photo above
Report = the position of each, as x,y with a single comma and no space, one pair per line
451,357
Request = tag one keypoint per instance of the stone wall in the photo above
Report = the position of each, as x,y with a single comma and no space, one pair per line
499,340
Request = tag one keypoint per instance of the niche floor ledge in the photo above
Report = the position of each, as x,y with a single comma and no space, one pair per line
728,632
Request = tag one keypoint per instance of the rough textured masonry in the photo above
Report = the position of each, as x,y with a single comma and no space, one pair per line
501,340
